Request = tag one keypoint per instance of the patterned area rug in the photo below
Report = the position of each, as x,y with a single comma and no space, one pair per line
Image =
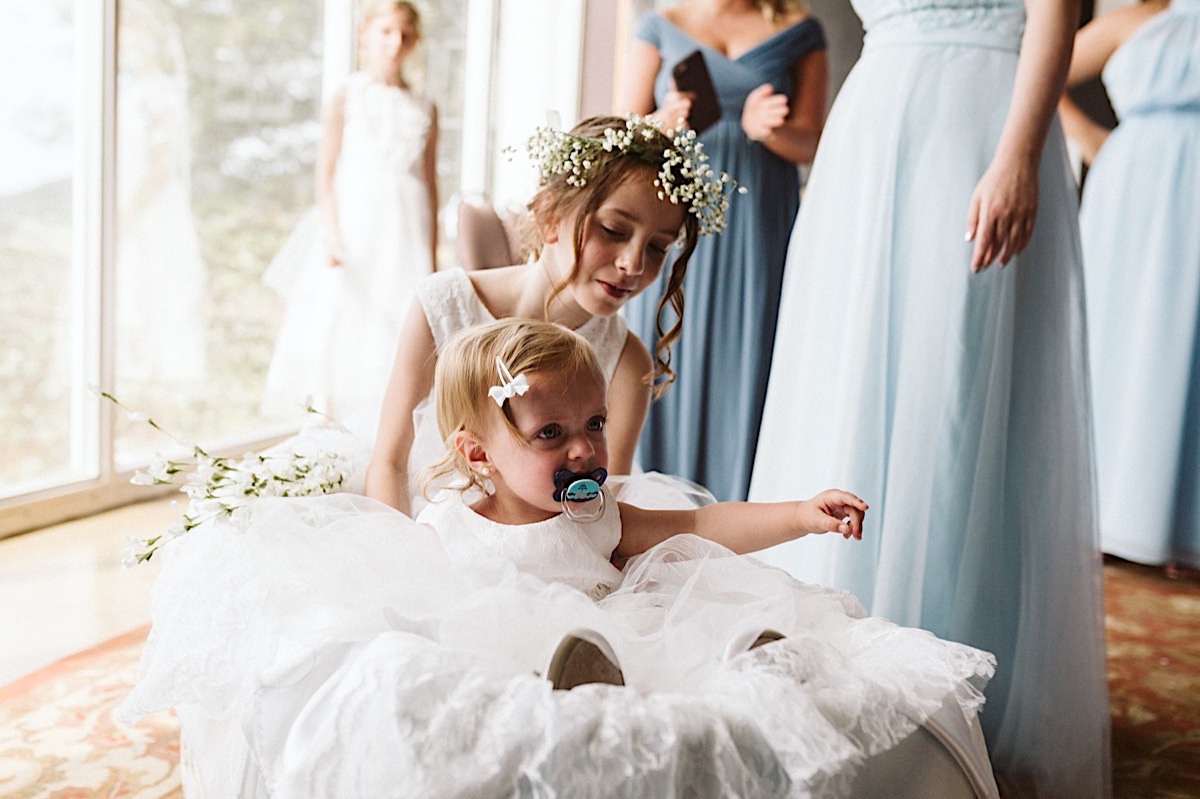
1153,625
58,739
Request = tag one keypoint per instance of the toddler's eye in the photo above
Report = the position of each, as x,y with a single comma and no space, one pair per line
596,424
549,431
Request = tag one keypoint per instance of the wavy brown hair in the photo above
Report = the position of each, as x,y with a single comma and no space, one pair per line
774,9
557,199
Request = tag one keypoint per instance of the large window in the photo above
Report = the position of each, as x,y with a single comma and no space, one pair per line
217,127
156,154
47,254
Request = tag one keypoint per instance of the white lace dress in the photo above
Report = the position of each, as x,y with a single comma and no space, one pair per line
363,654
451,304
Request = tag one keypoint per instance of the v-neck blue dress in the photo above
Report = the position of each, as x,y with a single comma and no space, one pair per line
706,427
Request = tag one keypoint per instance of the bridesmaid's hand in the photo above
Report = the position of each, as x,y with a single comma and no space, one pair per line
763,111
1002,212
675,109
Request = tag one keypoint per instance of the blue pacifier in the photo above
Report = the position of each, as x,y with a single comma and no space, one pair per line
574,489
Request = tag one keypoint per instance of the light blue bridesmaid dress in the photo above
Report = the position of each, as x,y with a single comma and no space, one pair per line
1140,220
956,404
706,426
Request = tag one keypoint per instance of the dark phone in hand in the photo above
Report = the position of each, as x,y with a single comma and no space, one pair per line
691,75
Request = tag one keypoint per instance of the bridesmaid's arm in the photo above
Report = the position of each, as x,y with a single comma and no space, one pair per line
1095,43
1080,128
1003,207
637,96
628,401
795,137
410,382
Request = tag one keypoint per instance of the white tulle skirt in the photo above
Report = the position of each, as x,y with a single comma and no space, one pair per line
360,660
956,404
337,338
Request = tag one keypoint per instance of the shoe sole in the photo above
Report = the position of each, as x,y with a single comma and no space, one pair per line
580,662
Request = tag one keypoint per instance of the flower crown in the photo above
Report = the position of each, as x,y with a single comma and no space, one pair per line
684,176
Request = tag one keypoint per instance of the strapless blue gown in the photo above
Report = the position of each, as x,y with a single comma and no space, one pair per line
1141,253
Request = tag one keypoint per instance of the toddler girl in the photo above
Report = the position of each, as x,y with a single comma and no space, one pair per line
349,651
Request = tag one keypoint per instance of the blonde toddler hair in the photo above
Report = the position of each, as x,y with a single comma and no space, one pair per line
466,370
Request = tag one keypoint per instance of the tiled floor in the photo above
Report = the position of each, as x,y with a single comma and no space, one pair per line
64,589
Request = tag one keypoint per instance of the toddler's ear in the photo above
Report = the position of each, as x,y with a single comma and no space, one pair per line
471,449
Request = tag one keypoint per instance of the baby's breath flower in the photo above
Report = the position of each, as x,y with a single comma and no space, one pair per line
684,176
219,487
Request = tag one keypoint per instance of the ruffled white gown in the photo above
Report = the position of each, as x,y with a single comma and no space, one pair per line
956,404
364,654
338,336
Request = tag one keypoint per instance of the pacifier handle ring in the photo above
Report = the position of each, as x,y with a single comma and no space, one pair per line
583,511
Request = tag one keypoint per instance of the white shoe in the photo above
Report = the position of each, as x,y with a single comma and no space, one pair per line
752,639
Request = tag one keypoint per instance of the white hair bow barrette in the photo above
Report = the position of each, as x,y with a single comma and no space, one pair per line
509,386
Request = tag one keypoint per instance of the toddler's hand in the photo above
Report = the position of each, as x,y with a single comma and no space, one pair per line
836,511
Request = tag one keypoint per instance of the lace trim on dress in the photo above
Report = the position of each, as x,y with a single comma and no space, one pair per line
451,304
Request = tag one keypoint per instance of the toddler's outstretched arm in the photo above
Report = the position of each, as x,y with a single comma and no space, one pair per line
744,526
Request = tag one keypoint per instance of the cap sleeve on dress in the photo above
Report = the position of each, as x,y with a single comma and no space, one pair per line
450,304
649,29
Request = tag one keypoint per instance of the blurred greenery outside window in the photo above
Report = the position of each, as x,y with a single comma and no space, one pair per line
156,294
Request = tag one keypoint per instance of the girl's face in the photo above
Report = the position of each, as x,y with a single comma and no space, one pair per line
625,244
388,38
559,425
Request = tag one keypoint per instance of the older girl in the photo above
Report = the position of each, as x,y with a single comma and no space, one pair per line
608,227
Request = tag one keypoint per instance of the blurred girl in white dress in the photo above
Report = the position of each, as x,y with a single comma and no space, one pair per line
349,270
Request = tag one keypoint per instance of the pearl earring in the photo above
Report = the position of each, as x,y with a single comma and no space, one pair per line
486,471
